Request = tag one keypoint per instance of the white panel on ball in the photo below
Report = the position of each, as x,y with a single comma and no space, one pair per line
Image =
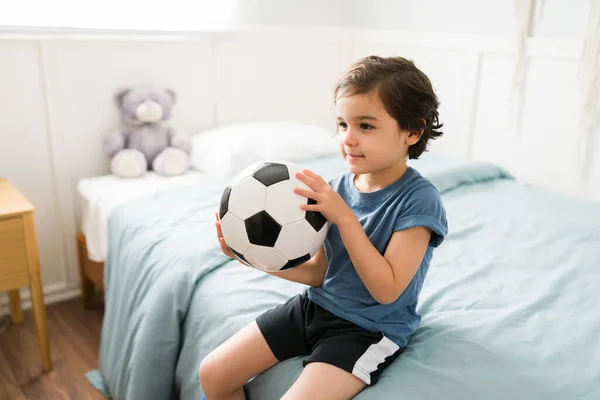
247,198
265,258
319,239
245,172
296,239
283,204
234,233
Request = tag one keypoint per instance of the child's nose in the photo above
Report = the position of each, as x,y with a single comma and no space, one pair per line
350,138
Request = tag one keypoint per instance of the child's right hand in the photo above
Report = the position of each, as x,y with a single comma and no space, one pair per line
226,250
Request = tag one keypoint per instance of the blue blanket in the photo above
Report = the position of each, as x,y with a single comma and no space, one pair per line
511,306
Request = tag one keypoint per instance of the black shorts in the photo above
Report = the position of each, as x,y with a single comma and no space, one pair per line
301,327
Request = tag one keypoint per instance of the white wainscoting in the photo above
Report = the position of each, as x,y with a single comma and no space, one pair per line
56,104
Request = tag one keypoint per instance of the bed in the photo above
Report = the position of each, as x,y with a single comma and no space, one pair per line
97,197
511,305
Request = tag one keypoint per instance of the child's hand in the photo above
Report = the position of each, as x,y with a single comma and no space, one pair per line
329,202
226,250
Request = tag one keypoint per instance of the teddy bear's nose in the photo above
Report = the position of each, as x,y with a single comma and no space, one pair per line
149,111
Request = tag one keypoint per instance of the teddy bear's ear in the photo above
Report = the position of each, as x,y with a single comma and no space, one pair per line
171,94
120,94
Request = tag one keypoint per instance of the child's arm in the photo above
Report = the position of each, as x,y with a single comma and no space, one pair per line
385,277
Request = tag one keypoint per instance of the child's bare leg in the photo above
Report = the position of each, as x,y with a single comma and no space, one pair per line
324,381
234,362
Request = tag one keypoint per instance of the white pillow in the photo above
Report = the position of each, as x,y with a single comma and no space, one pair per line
226,150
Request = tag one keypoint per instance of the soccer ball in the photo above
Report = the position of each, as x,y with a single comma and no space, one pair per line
261,218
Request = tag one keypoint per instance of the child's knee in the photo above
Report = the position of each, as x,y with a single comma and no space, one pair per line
210,374
206,369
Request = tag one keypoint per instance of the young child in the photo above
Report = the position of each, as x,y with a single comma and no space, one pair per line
359,310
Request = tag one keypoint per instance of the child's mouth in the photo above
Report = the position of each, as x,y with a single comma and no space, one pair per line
352,158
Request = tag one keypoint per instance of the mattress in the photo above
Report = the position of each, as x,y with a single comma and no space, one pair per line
99,196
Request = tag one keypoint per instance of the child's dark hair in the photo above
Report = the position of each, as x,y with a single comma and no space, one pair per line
405,91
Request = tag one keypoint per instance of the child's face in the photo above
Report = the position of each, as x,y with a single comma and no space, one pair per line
371,141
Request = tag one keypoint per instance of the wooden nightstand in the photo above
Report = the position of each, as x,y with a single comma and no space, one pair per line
19,261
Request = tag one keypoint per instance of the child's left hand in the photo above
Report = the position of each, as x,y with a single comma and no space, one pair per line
329,202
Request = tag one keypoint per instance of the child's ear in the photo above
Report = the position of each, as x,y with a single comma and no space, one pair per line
414,136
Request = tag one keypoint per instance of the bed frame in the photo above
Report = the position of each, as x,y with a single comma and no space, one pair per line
91,273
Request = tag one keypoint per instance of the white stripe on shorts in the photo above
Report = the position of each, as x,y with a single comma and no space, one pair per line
370,360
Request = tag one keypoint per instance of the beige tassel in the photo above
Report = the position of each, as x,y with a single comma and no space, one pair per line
524,11
588,77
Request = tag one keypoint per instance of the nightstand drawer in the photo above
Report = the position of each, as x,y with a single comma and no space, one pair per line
13,254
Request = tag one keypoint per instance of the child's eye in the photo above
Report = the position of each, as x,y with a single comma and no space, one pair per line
365,127
343,125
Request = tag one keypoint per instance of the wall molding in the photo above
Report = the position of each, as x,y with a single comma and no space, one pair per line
536,46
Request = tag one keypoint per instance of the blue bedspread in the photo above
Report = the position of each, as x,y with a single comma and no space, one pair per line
511,305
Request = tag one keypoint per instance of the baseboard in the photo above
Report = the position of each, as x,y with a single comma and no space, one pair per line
53,293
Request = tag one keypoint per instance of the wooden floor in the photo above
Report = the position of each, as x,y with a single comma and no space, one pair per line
74,343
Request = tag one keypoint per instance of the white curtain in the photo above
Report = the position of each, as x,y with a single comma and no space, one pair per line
524,11
589,85
589,69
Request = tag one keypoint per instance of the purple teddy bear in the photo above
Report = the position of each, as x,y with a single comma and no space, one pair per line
146,141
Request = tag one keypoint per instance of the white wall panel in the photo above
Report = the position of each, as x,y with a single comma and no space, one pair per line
25,156
271,78
539,145
494,138
549,132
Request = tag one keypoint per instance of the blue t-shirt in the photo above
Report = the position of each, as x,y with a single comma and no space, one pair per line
410,201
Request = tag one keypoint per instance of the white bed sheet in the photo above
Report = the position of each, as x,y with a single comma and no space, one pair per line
100,195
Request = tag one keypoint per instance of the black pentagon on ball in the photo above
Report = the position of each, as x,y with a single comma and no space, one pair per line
224,202
269,173
315,218
295,262
262,229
